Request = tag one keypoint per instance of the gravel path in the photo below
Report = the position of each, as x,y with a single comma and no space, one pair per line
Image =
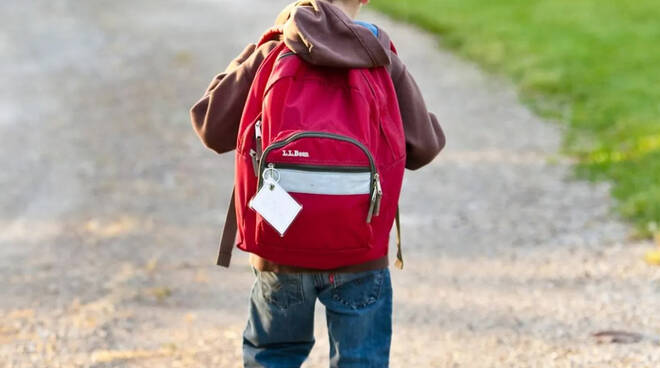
111,207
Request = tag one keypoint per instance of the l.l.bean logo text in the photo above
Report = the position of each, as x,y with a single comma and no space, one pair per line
294,153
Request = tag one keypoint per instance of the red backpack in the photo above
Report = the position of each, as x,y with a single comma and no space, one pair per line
335,139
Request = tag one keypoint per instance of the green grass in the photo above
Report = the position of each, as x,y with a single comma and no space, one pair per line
592,64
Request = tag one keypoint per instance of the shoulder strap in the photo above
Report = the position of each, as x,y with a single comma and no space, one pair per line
399,254
228,234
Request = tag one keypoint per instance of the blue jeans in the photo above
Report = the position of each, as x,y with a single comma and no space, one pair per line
280,329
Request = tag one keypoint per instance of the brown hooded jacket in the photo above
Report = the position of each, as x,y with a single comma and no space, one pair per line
321,34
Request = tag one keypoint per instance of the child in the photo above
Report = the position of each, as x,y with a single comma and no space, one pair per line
358,298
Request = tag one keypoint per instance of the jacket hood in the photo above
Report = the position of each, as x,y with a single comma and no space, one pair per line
322,34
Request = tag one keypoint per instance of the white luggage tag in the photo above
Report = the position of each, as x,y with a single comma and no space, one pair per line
274,204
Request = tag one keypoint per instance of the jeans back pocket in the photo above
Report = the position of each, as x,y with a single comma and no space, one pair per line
280,289
359,290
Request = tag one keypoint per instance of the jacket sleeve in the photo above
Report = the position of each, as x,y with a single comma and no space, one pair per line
424,136
217,115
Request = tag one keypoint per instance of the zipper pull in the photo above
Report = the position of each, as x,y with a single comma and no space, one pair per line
379,195
271,174
257,141
374,206
255,164
257,129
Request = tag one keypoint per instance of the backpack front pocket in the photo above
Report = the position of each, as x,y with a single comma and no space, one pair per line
335,180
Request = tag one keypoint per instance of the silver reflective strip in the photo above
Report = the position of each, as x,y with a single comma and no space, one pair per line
323,182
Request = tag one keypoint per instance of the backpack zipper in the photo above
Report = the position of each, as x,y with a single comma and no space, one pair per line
322,168
255,162
256,153
375,190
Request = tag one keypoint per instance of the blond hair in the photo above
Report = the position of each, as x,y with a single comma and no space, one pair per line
286,13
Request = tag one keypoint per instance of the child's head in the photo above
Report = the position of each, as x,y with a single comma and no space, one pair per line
350,7
348,2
